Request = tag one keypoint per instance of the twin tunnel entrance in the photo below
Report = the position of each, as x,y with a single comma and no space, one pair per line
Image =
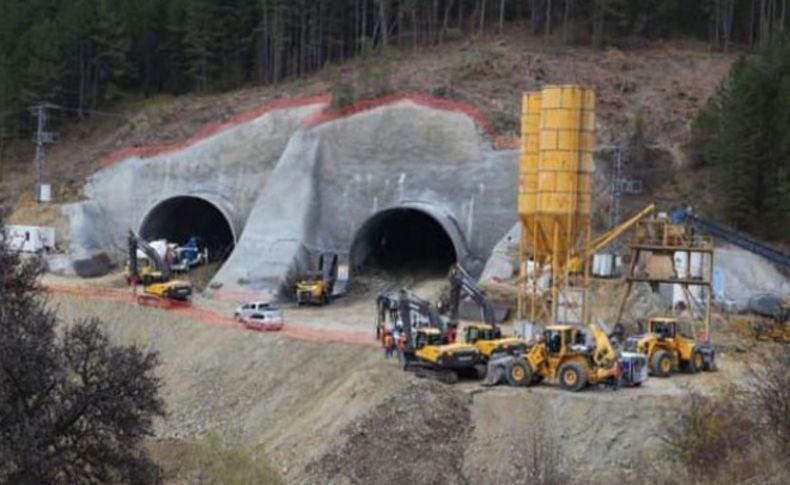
396,241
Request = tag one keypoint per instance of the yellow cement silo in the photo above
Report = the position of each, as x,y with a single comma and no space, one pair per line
557,216
530,153
555,202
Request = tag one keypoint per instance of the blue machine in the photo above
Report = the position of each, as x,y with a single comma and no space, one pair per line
191,254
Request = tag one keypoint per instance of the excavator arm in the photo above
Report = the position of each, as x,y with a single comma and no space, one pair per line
136,242
461,282
424,307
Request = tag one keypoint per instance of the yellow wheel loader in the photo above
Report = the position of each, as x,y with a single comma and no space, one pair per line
486,336
427,352
155,276
668,351
564,357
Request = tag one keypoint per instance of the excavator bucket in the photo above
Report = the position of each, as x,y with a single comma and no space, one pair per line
497,370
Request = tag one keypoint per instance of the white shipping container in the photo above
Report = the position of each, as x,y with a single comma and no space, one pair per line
29,239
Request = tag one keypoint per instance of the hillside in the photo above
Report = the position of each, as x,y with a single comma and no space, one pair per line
489,73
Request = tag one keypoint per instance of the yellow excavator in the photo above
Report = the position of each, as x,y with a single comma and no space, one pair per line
154,275
485,335
427,352
563,356
667,350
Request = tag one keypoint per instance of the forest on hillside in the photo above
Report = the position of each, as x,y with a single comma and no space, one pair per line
85,55
82,54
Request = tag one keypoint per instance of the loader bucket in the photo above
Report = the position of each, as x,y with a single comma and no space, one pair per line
497,370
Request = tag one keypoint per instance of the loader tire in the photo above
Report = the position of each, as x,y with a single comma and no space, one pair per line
661,364
696,362
519,374
572,377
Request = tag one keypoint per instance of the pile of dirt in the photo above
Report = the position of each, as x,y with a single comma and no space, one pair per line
414,437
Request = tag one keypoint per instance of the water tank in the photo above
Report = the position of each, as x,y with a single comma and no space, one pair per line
554,218
603,265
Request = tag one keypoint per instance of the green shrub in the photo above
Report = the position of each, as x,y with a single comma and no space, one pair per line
214,461
708,433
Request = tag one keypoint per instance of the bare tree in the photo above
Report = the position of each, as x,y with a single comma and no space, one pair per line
482,15
598,21
501,15
383,21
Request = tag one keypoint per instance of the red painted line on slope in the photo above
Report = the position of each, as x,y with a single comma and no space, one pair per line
469,110
211,129
321,117
209,317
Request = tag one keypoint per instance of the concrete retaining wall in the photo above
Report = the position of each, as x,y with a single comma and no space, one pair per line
334,177
294,182
227,169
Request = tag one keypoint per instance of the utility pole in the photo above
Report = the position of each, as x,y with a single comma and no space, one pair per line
43,138
621,185
617,195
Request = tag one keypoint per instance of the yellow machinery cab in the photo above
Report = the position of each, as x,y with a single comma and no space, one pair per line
490,343
667,350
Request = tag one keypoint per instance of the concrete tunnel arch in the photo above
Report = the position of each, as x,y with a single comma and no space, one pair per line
180,217
409,238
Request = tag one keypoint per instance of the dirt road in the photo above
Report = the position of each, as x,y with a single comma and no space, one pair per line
328,408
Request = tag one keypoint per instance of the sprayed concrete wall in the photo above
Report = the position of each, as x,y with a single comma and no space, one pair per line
293,183
228,168
335,176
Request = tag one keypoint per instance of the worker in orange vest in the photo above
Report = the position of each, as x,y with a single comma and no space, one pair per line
389,344
401,346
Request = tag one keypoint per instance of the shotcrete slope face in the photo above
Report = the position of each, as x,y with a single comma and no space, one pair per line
402,241
396,182
180,218
200,189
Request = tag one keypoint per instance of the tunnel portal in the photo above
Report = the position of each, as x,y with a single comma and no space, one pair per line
403,241
179,218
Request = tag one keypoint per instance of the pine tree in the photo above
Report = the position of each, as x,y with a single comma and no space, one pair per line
743,133
201,35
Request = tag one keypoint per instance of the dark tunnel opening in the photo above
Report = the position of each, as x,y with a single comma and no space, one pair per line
180,218
403,241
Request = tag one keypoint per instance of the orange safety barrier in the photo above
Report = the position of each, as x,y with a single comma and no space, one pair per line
210,317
